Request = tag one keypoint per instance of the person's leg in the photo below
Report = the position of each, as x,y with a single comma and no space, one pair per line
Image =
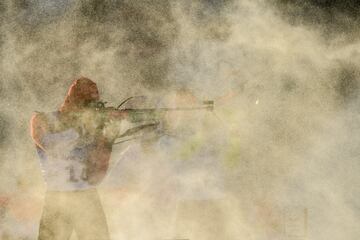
89,218
55,224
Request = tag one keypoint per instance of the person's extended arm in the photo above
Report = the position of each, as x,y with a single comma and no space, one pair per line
43,136
38,129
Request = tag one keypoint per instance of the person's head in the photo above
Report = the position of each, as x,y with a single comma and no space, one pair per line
81,92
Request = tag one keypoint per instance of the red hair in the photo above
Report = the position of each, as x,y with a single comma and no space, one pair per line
81,91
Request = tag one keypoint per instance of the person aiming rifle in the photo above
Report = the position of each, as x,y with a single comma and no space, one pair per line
74,145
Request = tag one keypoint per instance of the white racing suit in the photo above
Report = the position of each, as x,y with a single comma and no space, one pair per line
71,203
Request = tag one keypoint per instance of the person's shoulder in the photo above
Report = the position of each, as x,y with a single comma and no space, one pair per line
43,117
37,118
45,114
40,115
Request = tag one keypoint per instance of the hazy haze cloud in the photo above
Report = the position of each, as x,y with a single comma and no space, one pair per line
285,79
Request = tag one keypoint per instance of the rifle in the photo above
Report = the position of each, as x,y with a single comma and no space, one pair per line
145,118
141,114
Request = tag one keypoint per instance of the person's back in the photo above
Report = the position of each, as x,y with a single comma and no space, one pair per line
74,155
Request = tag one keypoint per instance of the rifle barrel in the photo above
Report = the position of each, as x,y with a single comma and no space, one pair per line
166,109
